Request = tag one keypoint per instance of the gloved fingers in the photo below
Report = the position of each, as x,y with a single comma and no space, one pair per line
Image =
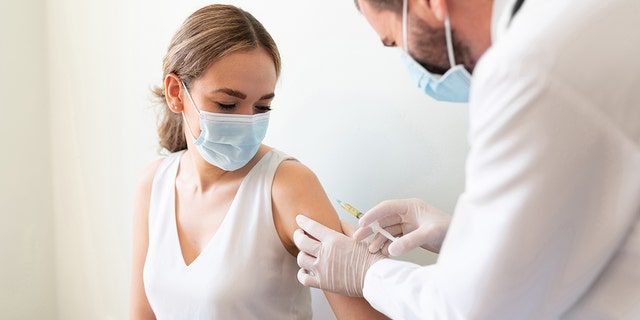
380,246
307,279
384,209
306,261
379,240
391,220
377,243
365,231
385,248
315,229
362,233
306,244
407,243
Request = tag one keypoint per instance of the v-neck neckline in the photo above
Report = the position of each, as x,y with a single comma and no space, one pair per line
174,218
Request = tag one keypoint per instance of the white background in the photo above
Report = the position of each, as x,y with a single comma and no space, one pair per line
78,126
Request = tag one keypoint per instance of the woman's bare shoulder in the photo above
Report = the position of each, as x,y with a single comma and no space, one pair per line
298,190
146,177
293,170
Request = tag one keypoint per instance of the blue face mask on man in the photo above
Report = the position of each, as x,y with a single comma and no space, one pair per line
228,141
453,85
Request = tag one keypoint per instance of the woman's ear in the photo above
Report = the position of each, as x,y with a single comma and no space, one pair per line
172,88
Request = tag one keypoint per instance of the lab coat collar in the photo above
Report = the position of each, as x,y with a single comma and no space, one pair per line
500,17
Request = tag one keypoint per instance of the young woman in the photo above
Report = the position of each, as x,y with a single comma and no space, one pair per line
214,220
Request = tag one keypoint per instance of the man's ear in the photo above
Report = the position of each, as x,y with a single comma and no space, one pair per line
438,8
172,88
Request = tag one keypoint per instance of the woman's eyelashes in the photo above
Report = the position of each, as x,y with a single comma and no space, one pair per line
263,108
230,107
226,106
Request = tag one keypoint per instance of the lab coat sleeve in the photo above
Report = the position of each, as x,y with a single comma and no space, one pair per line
403,290
541,213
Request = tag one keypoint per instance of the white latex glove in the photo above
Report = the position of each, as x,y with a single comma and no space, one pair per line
413,222
331,261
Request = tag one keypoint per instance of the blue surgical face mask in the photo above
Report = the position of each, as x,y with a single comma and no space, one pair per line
228,141
453,86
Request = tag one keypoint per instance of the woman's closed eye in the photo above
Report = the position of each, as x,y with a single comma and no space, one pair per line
226,107
231,106
263,109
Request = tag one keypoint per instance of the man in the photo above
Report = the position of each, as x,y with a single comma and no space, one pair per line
549,223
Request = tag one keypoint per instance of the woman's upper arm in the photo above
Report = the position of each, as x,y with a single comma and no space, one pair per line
140,308
297,190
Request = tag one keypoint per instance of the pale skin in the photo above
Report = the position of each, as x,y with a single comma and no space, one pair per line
240,83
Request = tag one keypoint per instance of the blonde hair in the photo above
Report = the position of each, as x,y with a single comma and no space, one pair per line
209,34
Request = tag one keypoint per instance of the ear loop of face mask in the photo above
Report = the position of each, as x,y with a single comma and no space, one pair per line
194,106
447,27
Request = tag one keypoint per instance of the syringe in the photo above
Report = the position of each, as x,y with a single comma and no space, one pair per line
375,226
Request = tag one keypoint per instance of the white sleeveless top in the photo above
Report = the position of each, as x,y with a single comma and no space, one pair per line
244,272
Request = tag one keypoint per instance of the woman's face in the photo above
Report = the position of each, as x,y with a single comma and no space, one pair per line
240,83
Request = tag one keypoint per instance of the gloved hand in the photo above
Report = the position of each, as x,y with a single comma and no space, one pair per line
415,223
331,261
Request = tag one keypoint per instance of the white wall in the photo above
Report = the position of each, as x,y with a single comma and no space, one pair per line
26,250
345,107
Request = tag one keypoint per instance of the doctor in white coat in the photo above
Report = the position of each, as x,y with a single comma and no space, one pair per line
548,224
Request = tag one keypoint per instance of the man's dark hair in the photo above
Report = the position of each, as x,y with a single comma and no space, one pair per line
391,5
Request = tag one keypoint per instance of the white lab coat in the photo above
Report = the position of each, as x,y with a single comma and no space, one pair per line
548,225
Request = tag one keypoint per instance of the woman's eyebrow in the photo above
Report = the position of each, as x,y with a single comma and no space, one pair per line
231,92
268,96
238,94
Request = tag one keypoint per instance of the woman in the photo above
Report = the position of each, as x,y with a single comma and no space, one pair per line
214,220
